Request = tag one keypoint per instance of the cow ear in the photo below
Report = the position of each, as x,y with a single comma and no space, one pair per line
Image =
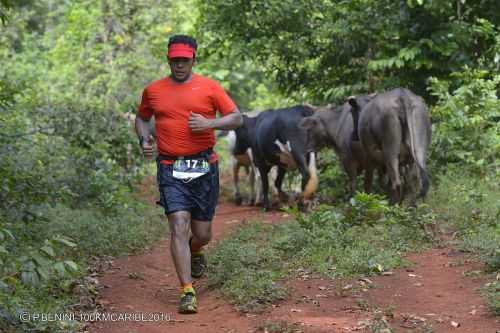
307,123
352,101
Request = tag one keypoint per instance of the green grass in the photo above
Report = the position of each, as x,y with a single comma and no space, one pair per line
364,237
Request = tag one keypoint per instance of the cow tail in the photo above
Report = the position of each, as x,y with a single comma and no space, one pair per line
312,183
410,110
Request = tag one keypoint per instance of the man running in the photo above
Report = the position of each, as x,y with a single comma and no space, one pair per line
184,106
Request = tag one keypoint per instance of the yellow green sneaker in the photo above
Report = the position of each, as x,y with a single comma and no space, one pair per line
188,302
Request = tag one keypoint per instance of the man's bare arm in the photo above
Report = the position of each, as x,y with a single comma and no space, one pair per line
198,123
143,130
142,127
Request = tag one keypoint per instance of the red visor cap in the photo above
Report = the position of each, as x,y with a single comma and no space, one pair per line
180,51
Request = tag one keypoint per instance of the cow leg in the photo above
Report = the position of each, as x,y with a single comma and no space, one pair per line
236,180
252,185
395,180
279,182
391,143
265,186
351,171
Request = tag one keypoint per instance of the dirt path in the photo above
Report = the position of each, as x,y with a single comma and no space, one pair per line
147,284
435,295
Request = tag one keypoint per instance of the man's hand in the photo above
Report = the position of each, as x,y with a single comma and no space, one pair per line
198,123
147,147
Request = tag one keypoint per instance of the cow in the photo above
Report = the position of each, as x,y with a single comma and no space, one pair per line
394,129
276,140
332,126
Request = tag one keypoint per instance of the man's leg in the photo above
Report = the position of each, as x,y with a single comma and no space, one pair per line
179,223
202,233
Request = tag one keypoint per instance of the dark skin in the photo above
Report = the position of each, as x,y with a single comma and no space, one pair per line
180,222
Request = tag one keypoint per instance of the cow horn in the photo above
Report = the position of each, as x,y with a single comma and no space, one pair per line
312,184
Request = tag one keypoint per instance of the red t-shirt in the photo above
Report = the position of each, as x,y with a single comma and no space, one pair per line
171,103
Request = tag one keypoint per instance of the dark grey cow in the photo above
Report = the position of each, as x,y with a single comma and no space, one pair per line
395,130
333,127
276,139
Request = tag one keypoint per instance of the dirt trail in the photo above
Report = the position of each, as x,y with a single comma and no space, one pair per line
428,297
434,295
147,284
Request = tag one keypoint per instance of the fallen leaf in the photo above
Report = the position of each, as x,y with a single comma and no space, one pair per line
387,273
322,288
366,280
347,287
296,310
473,312
455,324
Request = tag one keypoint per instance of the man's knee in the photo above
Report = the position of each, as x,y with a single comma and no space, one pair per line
204,237
179,225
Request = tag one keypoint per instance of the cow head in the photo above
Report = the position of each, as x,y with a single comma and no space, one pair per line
243,140
317,135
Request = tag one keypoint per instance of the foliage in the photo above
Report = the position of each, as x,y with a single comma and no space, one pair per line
466,120
325,50
68,154
248,84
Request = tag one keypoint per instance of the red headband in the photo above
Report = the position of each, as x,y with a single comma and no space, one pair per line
181,51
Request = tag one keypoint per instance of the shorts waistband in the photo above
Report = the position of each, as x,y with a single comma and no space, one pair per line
202,154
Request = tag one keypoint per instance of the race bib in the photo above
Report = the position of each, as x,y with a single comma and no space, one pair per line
190,169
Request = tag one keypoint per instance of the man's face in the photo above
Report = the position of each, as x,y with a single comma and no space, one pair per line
181,68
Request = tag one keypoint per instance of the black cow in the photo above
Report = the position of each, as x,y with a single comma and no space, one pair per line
333,127
395,130
276,139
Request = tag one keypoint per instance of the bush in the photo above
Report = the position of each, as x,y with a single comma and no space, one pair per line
466,121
